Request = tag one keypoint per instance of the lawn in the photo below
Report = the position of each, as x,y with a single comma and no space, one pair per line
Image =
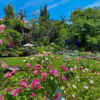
10,61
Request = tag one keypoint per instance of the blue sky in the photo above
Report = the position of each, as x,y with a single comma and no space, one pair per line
56,8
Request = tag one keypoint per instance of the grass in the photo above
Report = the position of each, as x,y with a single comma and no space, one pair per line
10,61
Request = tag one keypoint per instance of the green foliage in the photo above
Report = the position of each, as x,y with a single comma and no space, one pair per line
85,28
9,13
11,39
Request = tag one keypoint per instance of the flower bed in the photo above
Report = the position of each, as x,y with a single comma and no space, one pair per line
42,75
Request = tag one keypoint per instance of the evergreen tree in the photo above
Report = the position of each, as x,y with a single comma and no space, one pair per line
44,24
9,13
44,16
22,14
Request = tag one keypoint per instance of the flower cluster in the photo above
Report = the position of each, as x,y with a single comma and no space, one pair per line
35,83
2,28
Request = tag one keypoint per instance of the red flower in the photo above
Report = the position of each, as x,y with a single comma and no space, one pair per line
64,68
43,76
63,78
15,91
8,75
13,72
1,98
35,83
2,28
1,42
54,72
33,94
3,65
57,96
23,84
38,66
28,65
36,72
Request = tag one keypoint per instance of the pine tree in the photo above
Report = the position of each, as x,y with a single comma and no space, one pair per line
22,14
44,16
9,13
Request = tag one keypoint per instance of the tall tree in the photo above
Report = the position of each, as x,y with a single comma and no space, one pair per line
22,14
9,12
44,16
44,24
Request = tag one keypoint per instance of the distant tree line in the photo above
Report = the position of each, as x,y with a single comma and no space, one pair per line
82,32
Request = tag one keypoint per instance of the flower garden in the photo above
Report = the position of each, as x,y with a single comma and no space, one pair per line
42,76
42,59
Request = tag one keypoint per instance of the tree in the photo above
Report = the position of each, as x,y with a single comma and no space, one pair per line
9,13
44,25
85,27
22,14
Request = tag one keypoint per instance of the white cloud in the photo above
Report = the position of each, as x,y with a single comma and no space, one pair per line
49,7
57,4
96,4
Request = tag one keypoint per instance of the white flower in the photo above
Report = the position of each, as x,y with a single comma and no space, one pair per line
24,60
46,58
91,82
71,69
64,91
74,86
75,67
73,95
86,69
85,87
43,61
63,98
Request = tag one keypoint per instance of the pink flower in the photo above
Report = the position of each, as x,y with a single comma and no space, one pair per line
15,91
23,84
13,72
57,96
33,94
43,76
53,72
8,75
49,66
1,98
28,65
64,68
2,28
36,72
25,21
7,89
35,83
3,65
1,42
38,66
63,78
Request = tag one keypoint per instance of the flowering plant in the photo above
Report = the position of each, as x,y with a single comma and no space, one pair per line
51,76
35,80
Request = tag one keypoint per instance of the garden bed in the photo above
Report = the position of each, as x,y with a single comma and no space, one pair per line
77,78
